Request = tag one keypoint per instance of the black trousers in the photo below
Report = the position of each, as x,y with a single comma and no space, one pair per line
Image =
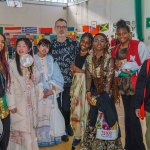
4,139
64,104
133,131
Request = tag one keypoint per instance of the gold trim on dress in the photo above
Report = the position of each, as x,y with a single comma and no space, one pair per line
3,112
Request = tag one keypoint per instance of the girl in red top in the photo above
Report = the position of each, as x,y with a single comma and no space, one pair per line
129,51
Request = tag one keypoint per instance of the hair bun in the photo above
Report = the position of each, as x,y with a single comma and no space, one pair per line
121,23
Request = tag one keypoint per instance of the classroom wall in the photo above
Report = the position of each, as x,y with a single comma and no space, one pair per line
101,11
30,15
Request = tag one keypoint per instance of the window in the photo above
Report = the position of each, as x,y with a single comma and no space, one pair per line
14,3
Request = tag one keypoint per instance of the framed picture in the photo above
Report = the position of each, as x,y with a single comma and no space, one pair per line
94,24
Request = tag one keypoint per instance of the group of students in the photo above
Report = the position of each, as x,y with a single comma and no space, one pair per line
84,85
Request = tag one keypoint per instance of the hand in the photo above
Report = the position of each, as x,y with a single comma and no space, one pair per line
32,78
118,64
138,113
47,93
126,71
93,102
89,96
13,111
72,68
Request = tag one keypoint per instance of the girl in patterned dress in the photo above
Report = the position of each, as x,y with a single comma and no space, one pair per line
99,71
79,104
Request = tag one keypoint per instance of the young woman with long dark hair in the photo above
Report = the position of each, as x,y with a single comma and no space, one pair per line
4,87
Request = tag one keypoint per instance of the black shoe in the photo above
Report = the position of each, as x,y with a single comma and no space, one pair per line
69,130
73,148
65,138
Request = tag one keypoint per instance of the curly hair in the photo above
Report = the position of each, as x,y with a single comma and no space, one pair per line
101,82
90,36
122,24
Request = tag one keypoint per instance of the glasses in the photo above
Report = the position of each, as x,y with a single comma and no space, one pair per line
99,41
59,27
122,34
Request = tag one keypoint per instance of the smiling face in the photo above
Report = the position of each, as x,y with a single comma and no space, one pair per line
99,43
43,50
2,42
85,43
61,28
123,35
22,48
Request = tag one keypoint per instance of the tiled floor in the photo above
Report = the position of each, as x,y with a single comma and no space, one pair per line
67,146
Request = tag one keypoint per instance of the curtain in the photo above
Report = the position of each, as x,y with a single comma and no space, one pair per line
138,18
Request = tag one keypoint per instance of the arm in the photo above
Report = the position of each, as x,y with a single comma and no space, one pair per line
10,95
75,69
36,74
139,92
143,52
140,85
110,75
57,79
88,82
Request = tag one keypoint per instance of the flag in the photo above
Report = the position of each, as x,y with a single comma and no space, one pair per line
29,30
52,36
12,30
45,30
71,28
93,30
85,28
104,27
147,22
1,29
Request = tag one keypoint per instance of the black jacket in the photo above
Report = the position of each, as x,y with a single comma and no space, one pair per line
143,81
106,104
2,85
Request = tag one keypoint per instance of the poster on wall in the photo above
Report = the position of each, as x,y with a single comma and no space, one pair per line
93,24
147,22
